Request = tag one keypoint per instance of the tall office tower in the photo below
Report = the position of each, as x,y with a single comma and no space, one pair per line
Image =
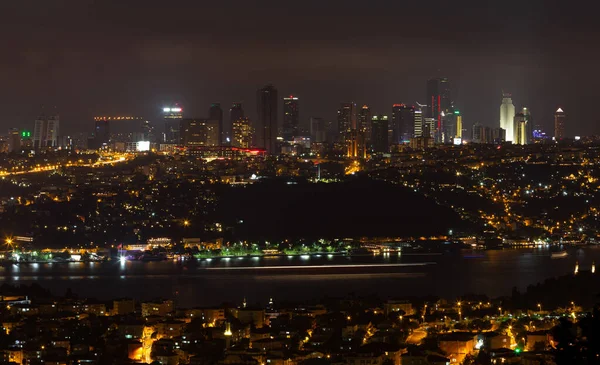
364,122
403,121
498,135
507,116
265,131
429,127
14,140
45,131
199,132
147,131
379,133
172,117
559,124
216,113
193,132
291,118
346,120
318,130
481,134
101,131
418,125
459,124
439,103
522,127
242,133
236,112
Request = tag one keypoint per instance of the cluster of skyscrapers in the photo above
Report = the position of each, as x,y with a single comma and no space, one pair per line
357,131
518,128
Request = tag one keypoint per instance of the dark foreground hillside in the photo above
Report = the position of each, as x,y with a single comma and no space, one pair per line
361,207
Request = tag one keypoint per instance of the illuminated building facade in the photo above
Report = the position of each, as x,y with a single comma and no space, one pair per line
242,133
559,124
364,122
439,104
172,117
459,124
200,132
522,127
403,121
346,120
418,124
45,131
379,133
507,115
291,117
236,112
265,131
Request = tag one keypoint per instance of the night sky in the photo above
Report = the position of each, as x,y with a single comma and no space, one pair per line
105,57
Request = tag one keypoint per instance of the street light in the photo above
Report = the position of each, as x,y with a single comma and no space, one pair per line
186,223
540,307
499,311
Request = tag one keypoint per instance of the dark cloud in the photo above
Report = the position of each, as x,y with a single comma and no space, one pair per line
87,57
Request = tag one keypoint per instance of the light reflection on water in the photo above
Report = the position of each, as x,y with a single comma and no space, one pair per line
453,274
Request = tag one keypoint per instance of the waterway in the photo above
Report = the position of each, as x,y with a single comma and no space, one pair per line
299,278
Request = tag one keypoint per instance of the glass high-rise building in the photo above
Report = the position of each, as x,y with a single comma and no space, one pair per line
291,117
507,116
559,124
265,131
236,112
379,134
364,122
172,117
216,113
346,120
521,133
439,103
403,121
45,131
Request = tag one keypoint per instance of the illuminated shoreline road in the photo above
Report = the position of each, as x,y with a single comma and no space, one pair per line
55,167
304,267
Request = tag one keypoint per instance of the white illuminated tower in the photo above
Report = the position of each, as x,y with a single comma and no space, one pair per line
507,116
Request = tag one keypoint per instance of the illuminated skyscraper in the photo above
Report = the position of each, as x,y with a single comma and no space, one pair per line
172,117
521,128
346,120
199,132
45,131
507,116
439,103
364,122
379,134
559,124
242,133
418,125
403,121
216,113
459,125
291,118
236,112
265,131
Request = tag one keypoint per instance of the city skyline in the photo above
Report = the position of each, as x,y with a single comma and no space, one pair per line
368,66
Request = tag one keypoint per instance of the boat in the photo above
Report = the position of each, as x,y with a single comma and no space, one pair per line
559,254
